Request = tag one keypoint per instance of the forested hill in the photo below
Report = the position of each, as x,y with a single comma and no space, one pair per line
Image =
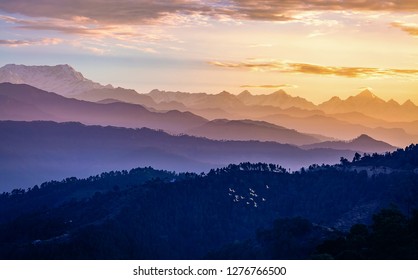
402,159
151,214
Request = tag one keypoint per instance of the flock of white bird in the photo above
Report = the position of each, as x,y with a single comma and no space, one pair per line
251,198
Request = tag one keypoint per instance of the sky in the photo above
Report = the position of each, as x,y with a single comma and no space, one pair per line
314,49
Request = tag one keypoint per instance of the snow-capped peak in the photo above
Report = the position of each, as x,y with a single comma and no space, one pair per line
62,79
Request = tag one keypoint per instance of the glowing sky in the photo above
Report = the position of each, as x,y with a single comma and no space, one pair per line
315,49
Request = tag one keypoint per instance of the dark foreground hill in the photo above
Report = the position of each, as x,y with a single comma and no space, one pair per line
254,211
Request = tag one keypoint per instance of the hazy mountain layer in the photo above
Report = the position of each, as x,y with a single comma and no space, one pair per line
119,94
368,103
251,130
278,99
32,152
339,129
34,104
363,143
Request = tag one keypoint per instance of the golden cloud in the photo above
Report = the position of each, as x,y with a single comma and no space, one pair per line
272,9
306,68
411,29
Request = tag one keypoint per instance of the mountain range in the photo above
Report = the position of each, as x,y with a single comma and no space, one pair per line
366,101
64,80
243,127
26,103
211,176
277,99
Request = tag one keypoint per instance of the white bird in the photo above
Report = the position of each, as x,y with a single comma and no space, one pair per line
267,187
263,199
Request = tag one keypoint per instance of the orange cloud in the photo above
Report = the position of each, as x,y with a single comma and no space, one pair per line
411,29
305,68
284,9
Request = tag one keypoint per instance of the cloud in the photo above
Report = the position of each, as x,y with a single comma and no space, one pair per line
140,12
95,38
411,29
270,86
77,27
306,68
19,43
92,49
136,21
104,11
140,49
15,43
285,9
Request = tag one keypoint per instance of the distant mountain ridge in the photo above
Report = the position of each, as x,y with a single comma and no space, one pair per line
64,80
243,130
278,99
224,99
363,143
61,79
121,94
368,103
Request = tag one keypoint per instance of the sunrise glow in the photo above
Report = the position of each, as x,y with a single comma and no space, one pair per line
319,48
